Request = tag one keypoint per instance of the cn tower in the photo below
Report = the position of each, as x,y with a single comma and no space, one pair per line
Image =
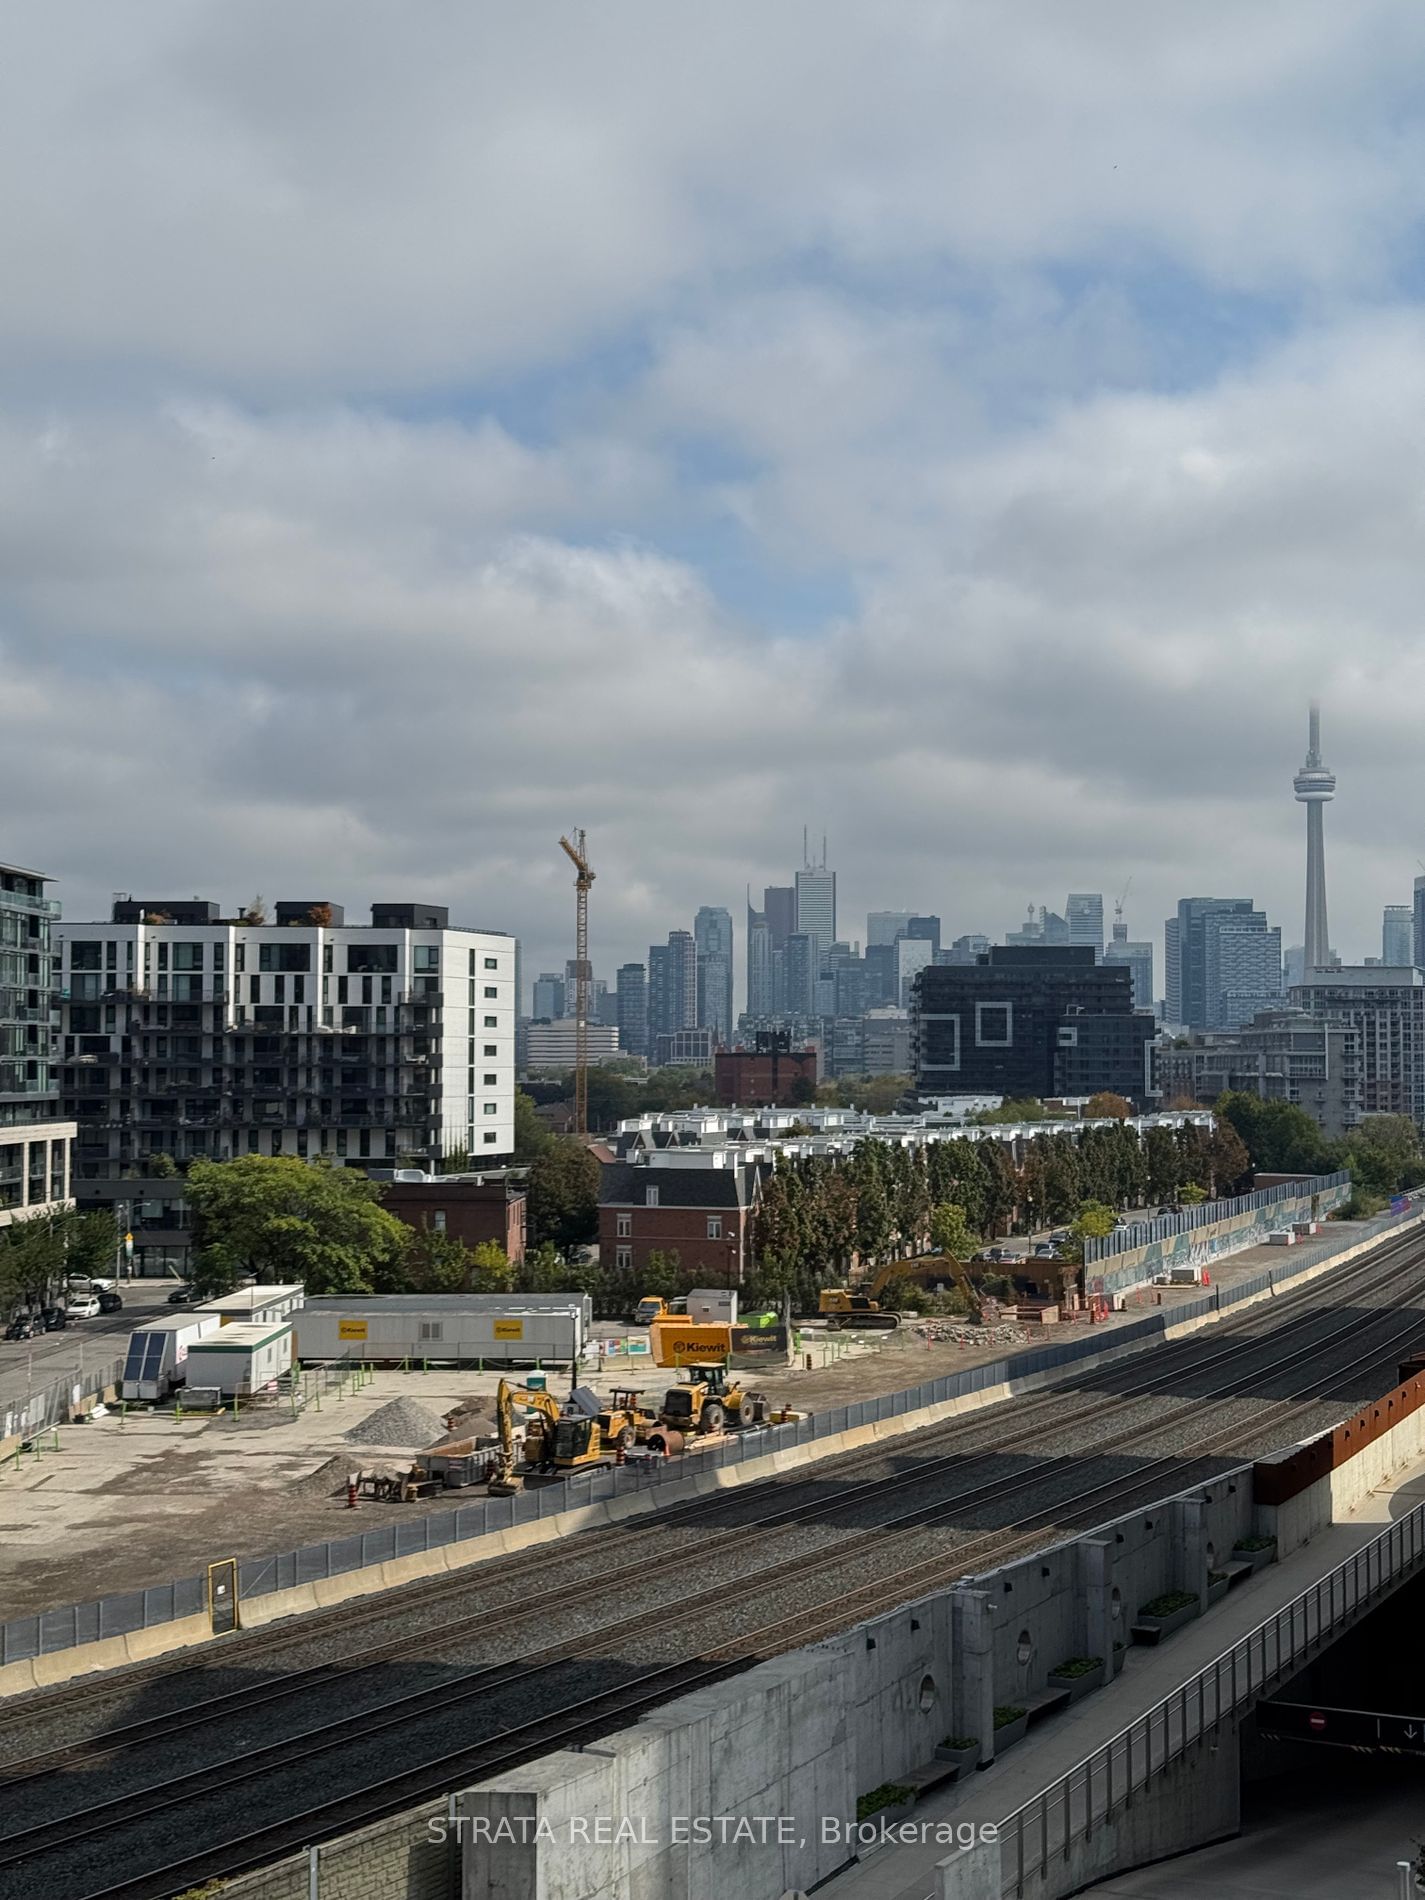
1314,785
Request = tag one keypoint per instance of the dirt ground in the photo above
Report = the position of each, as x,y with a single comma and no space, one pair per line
140,1499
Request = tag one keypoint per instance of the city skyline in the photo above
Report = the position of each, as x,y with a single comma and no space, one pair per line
1111,471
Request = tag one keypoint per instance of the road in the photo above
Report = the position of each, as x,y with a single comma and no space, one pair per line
26,1365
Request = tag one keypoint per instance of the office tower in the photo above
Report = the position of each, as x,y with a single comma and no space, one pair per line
1189,998
880,974
1029,1020
964,949
672,986
803,967
1418,933
1044,927
925,930
1314,786
913,954
1293,966
779,907
762,960
850,987
816,905
190,1034
36,1144
1397,936
1284,1055
550,992
1084,913
712,935
1243,968
1138,956
632,1002
884,926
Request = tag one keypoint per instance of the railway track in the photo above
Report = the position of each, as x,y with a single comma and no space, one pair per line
1309,1339
302,1682
1076,1402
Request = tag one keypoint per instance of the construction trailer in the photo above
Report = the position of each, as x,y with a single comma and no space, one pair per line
515,1329
157,1359
255,1305
241,1359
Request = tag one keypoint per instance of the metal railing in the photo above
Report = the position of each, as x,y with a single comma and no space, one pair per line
1092,1793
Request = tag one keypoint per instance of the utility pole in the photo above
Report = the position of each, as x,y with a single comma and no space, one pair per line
583,879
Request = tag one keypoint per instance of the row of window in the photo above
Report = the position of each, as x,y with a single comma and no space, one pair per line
624,1222
361,958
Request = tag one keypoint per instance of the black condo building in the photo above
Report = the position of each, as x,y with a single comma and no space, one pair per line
1029,1020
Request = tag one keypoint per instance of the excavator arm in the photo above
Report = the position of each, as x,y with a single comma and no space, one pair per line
505,1397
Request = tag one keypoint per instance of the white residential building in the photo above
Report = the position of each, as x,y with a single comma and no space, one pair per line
186,1033
553,1045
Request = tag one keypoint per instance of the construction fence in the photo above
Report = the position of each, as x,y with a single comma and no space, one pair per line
26,1637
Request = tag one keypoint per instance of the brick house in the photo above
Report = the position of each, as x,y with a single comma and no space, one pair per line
771,1077
697,1203
471,1207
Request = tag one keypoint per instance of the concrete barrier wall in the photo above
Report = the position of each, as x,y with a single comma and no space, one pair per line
1199,1246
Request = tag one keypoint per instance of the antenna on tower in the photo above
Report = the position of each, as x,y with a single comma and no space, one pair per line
823,850
806,849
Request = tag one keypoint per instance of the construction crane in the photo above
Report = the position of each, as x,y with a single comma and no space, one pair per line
585,877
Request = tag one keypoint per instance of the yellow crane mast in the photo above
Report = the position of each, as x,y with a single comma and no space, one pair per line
584,878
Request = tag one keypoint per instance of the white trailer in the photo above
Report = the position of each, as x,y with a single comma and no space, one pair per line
448,1328
157,1358
255,1305
241,1359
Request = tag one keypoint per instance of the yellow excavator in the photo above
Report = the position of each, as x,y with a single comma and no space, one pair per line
840,1307
555,1441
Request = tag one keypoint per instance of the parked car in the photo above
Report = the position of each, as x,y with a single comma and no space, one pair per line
86,1307
181,1296
994,1257
110,1302
54,1319
22,1326
1044,1250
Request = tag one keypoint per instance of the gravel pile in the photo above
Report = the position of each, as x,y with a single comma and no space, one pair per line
401,1422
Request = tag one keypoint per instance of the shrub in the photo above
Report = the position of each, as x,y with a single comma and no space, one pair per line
888,1795
1078,1666
1006,1714
1255,1543
959,1742
1168,1604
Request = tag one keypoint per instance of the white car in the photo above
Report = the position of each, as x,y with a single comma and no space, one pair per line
83,1306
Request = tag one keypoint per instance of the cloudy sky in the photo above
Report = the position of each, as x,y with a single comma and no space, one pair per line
971,430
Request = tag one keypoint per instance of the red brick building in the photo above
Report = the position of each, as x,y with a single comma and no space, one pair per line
765,1078
472,1207
695,1203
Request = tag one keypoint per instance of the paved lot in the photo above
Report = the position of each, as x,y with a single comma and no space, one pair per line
27,1365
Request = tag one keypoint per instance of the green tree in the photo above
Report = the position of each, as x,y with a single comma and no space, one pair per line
32,1259
160,1165
564,1194
90,1245
1385,1154
1093,1221
803,1092
951,1232
435,1262
532,1138
490,1268
1191,1195
280,1218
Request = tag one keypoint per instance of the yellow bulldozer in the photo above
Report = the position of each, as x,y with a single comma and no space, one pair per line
569,1438
842,1307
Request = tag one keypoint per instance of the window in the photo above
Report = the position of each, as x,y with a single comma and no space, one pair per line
490,1140
284,956
625,1225
492,963
364,959
492,1108
84,956
491,1049
714,1226
430,1328
492,1022
623,1257
994,1025
437,1220
491,992
491,1081
426,957
650,1197
188,956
